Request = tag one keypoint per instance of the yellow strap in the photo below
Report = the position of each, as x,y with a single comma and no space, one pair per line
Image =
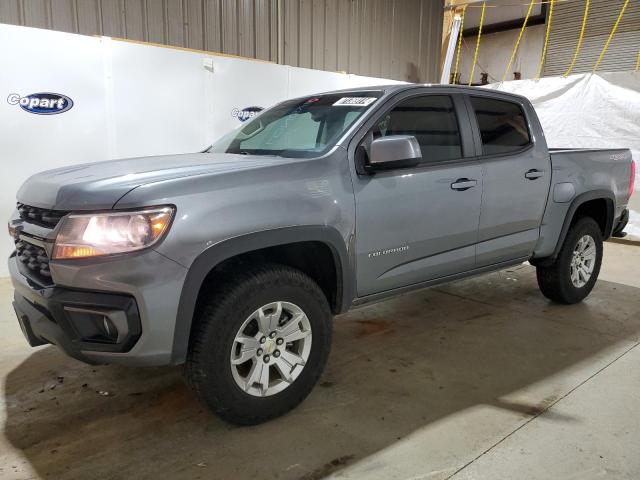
515,48
546,42
475,55
577,52
455,72
613,32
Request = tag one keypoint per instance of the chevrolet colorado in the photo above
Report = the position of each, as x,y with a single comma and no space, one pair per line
232,261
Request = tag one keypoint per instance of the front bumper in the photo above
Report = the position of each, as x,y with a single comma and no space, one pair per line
78,321
117,310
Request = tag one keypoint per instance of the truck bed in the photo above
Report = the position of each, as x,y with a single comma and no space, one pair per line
576,172
591,169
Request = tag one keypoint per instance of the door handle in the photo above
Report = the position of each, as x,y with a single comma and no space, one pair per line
463,184
533,174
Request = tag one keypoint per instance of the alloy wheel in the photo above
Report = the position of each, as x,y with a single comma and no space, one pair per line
583,261
271,349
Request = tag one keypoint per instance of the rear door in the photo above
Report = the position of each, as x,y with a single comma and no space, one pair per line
516,177
415,224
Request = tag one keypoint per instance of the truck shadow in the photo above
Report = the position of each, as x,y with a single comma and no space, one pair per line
396,367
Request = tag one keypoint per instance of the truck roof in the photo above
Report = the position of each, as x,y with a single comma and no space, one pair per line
394,88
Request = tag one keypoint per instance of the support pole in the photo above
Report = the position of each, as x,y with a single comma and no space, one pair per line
455,73
451,48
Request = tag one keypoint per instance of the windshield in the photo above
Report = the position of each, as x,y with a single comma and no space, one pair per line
304,128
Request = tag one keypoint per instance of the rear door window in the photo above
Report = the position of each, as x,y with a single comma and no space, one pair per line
502,124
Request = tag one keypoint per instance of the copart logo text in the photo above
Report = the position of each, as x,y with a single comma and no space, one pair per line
246,113
45,103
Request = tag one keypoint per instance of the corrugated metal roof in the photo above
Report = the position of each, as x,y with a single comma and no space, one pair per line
565,30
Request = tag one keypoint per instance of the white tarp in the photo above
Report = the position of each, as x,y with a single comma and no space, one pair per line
129,100
589,110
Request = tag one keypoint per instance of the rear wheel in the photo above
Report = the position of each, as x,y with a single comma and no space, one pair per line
574,273
260,344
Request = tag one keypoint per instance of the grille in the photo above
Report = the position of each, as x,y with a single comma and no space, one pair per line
35,259
41,216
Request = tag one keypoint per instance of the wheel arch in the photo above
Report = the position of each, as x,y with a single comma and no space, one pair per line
580,207
226,250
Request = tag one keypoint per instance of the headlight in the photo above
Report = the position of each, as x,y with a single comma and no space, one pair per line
91,235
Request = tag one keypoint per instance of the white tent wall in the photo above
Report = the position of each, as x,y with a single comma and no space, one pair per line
130,99
589,110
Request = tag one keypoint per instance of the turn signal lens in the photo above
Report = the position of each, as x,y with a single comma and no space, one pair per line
68,251
91,235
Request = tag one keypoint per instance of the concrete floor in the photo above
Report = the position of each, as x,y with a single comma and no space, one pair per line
481,379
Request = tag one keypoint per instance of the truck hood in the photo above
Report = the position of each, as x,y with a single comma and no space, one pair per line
100,185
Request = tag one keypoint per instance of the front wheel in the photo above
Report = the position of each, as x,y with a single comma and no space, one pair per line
260,344
571,277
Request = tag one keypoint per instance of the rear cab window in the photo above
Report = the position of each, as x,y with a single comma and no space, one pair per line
502,124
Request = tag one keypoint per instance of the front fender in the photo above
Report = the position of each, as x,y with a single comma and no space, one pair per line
218,253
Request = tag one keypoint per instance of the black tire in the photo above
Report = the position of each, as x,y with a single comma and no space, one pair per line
555,280
208,367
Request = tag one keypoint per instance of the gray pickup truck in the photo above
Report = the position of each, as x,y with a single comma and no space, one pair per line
232,261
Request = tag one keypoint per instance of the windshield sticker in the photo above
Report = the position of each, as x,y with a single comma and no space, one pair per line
355,102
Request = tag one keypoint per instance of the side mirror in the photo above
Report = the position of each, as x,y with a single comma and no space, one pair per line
394,151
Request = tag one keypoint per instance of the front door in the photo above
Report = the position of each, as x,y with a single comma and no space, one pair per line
420,223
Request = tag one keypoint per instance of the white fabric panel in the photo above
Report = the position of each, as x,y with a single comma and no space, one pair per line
36,61
157,99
